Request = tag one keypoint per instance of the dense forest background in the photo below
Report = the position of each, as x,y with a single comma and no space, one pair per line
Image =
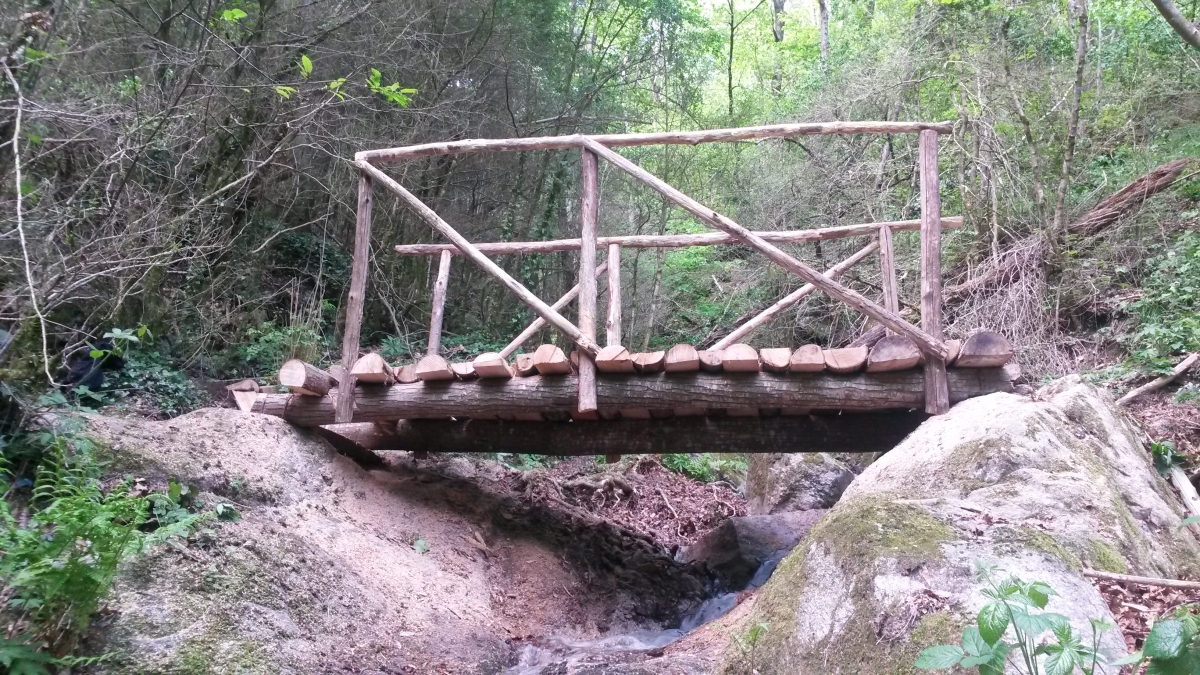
183,167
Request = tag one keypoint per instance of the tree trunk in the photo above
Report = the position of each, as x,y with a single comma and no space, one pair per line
1186,29
777,7
1060,197
823,12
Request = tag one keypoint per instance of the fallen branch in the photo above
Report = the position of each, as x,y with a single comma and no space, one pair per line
1145,581
1161,382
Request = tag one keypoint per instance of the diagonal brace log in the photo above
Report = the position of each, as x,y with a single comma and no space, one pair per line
927,343
793,298
427,214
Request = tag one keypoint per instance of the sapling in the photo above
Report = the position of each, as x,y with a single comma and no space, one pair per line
1016,610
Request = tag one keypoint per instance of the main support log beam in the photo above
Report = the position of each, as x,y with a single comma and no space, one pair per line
524,294
661,138
860,432
901,390
931,345
678,240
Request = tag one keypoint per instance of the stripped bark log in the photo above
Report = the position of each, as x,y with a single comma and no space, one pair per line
847,360
676,240
540,323
439,304
660,138
937,396
357,294
1180,368
807,359
682,358
589,210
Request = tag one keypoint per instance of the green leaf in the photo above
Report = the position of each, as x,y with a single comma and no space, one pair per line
227,513
373,79
993,621
940,656
95,353
1036,624
233,15
1130,659
421,546
1178,666
1061,662
173,491
1190,521
1167,640
1039,594
306,66
285,92
973,642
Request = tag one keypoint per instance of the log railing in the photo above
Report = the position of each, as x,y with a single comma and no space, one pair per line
927,337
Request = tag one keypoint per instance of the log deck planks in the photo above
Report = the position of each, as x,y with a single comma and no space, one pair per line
899,390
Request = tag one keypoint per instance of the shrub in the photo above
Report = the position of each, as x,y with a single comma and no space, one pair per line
149,373
1168,315
271,345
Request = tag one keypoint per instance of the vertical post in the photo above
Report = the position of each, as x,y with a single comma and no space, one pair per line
937,386
590,188
344,411
439,304
613,324
887,269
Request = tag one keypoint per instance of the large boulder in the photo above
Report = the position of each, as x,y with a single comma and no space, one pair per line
779,482
1039,488
744,550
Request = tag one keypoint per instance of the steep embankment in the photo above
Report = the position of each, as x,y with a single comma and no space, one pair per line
450,566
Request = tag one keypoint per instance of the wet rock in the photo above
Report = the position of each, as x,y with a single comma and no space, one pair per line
742,551
795,482
1038,488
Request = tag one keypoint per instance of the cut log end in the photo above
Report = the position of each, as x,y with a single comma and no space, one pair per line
433,368
681,358
807,359
372,369
649,362
523,365
985,349
711,360
302,378
491,365
740,358
893,352
614,359
775,359
550,360
847,360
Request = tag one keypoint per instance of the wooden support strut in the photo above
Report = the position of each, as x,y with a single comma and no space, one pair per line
931,345
356,297
887,271
589,212
427,214
439,304
660,138
937,396
612,324
792,298
678,240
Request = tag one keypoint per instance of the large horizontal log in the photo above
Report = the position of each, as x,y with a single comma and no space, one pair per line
858,432
677,240
900,390
662,138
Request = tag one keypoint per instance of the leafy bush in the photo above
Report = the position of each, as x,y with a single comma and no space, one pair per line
705,467
149,372
1168,315
1016,604
1173,645
57,566
271,345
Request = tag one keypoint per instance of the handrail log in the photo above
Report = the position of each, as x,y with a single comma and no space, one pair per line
928,344
406,153
678,240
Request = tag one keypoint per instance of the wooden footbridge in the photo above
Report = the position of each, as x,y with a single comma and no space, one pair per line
594,399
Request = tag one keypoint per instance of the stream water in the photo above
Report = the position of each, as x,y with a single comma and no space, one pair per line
559,651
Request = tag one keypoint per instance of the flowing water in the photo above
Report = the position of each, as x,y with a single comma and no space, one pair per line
559,651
